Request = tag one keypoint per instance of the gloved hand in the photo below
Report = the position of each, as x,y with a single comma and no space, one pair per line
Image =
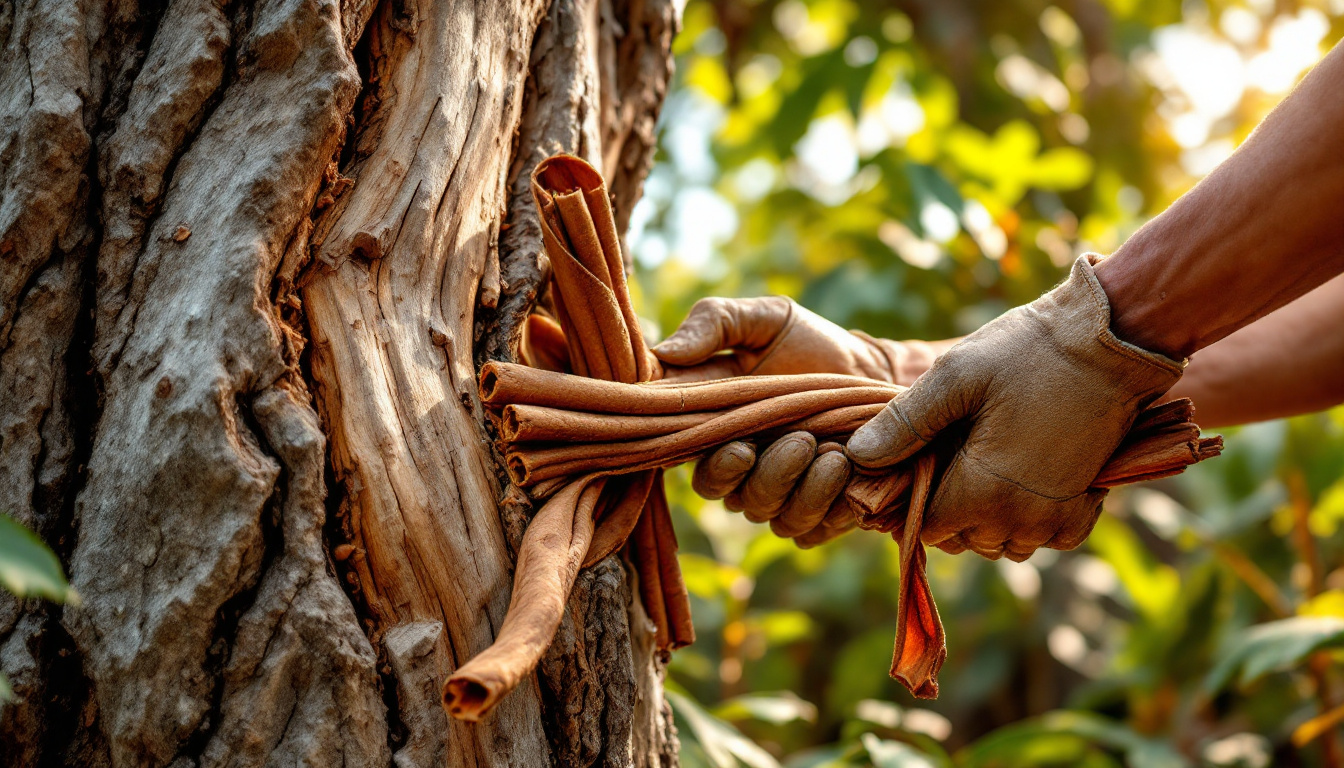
774,335
1043,395
793,481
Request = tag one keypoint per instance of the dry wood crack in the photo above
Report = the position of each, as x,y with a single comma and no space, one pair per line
593,443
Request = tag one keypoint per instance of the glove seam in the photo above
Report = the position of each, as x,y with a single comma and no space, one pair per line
983,467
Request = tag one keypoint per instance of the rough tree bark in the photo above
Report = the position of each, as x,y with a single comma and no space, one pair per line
252,253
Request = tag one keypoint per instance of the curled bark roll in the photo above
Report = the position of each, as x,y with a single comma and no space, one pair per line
529,465
537,423
504,384
553,549
616,524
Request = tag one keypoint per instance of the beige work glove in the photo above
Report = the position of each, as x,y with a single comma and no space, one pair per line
793,481
1038,400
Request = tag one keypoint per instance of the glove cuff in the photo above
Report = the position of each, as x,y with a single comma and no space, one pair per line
1078,313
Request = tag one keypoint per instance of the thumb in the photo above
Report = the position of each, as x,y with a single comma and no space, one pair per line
911,419
716,324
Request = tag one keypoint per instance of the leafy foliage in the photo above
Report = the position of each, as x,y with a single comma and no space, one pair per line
914,169
29,569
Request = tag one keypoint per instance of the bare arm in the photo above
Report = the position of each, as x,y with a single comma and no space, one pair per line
1263,229
1288,363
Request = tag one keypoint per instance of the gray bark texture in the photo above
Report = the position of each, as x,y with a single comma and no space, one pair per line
252,253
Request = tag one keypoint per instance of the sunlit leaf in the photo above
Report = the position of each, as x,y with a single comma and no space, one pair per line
1045,740
1328,603
783,627
1151,585
776,708
27,567
1061,169
721,743
893,754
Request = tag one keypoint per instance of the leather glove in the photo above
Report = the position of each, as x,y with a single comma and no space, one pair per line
792,482
774,335
1039,399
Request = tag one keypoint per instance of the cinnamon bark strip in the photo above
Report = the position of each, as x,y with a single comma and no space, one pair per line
504,384
615,526
1168,449
676,600
879,500
921,646
644,556
527,466
544,344
578,231
548,561
537,423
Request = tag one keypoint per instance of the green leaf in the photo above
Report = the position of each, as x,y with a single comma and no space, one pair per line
886,753
723,745
28,568
776,708
1152,586
1062,169
6,693
1049,739
1275,647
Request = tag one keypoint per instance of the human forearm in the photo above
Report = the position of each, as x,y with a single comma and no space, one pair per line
1291,362
1263,229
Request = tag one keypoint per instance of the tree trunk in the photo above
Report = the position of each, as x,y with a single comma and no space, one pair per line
252,253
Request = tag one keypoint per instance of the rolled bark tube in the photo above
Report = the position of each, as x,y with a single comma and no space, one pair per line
538,423
548,561
543,344
676,600
504,384
644,554
614,527
528,466
841,421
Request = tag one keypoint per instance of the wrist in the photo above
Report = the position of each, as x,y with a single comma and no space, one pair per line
1142,313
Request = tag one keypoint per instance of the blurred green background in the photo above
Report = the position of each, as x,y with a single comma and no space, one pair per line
913,169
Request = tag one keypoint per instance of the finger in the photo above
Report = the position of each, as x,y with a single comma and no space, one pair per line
822,483
952,545
719,473
716,324
776,474
1024,541
839,520
1079,523
940,397
989,540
